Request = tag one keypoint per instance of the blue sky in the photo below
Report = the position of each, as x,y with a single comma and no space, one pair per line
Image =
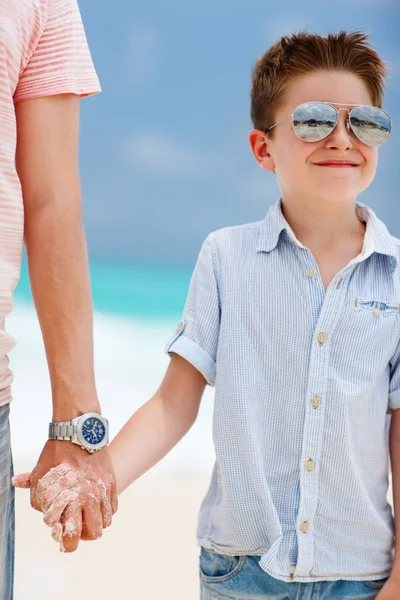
164,155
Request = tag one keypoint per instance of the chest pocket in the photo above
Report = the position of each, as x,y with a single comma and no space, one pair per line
378,308
368,334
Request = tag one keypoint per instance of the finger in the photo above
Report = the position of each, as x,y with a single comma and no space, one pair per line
105,503
113,495
92,524
34,503
106,510
23,480
55,511
114,499
72,527
47,495
56,532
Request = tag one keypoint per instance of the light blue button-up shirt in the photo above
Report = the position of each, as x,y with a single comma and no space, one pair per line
305,381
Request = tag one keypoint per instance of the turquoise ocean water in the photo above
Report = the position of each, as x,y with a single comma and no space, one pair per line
138,291
136,309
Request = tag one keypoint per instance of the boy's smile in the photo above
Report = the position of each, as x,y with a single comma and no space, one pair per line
337,165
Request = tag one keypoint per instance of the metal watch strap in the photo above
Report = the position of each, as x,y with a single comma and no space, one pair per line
63,430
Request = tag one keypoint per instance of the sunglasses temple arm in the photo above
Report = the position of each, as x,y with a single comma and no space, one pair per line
275,124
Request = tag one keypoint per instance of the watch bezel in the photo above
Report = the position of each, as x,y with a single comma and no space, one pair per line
79,433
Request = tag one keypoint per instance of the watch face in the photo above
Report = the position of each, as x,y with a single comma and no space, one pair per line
93,431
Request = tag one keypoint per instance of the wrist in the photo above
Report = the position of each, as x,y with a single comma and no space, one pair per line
89,431
69,413
65,409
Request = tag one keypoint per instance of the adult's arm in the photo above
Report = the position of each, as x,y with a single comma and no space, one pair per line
47,165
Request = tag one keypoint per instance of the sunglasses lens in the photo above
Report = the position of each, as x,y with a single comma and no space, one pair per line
371,125
313,121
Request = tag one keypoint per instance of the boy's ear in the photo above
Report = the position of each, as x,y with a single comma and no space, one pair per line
259,145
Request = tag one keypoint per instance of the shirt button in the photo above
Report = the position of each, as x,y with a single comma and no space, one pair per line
316,401
377,312
304,527
311,272
321,337
310,464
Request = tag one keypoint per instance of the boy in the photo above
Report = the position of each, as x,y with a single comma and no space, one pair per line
296,321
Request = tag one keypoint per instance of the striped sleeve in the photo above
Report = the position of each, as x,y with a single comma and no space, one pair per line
196,337
61,61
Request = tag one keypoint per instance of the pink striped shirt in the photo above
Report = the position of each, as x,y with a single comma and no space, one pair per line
43,52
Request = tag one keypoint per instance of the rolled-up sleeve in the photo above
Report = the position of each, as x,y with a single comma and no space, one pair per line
196,336
394,383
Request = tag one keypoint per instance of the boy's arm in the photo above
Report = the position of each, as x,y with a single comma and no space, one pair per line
159,424
394,445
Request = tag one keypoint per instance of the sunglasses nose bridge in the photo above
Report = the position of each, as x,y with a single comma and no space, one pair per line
348,127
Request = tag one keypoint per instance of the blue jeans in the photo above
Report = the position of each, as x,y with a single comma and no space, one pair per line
7,523
225,577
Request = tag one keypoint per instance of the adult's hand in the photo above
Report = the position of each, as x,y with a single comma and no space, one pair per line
74,487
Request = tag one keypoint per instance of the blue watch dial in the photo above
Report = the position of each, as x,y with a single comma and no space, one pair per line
93,431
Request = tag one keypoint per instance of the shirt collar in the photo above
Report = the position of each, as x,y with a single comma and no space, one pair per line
377,238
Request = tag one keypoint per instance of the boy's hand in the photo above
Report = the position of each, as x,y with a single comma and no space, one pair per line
391,589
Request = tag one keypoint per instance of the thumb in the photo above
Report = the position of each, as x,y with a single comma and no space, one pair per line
22,481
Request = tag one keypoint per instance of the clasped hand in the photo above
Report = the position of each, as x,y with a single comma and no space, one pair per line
77,496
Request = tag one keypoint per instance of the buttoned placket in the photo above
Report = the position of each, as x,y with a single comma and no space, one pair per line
331,306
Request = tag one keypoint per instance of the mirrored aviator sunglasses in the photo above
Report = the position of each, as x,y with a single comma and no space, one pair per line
314,121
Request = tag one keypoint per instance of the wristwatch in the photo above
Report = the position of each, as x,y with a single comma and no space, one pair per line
90,431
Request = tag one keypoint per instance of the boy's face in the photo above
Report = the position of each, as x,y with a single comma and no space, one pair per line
294,160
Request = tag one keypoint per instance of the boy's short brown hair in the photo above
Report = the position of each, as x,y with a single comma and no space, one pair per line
303,53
